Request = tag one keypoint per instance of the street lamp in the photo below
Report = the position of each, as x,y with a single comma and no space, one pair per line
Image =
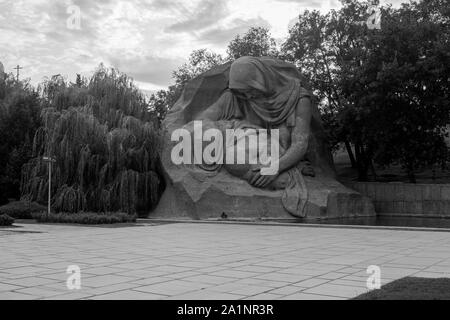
49,160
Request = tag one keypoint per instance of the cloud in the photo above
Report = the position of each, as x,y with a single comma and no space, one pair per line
222,35
205,14
170,5
147,39
309,3
148,69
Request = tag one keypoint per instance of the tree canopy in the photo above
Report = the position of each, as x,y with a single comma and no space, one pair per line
256,42
382,85
105,142
384,91
19,118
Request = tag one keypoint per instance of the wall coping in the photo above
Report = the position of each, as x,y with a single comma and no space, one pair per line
401,183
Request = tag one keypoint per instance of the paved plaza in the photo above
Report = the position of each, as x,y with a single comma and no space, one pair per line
211,261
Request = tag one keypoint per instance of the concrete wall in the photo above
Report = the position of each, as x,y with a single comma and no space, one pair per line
425,200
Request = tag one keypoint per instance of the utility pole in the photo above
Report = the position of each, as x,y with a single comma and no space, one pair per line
50,161
18,68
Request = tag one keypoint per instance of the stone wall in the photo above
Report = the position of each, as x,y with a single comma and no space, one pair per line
424,200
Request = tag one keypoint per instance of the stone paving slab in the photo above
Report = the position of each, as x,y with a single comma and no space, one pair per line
211,261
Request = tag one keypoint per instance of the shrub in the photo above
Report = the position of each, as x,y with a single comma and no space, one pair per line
21,209
85,217
6,220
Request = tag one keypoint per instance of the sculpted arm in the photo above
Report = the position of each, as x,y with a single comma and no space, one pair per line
299,136
297,150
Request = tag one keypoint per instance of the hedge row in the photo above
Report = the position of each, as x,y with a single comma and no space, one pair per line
6,220
21,209
85,217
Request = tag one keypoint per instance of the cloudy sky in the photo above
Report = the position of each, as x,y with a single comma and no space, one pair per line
147,39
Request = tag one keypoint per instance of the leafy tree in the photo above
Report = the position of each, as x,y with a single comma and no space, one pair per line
326,48
2,82
407,72
159,104
257,42
19,118
384,91
199,61
80,81
106,144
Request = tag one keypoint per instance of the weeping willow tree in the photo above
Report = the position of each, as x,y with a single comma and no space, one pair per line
106,144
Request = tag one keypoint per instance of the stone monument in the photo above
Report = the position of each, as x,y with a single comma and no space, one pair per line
262,97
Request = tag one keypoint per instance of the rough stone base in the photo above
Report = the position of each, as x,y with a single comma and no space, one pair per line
191,197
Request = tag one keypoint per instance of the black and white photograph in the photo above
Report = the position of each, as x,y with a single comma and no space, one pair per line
226,157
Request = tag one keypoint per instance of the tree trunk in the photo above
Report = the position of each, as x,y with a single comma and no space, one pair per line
361,162
410,173
372,169
348,146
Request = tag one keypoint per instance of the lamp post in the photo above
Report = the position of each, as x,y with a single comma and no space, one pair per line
49,160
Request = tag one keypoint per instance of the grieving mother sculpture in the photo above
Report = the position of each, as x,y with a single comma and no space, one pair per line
256,93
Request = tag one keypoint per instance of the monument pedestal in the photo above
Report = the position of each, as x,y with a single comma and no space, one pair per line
191,196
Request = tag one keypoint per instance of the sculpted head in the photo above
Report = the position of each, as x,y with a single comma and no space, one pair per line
247,79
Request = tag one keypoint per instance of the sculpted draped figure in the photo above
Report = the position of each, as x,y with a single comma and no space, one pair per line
250,94
261,96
